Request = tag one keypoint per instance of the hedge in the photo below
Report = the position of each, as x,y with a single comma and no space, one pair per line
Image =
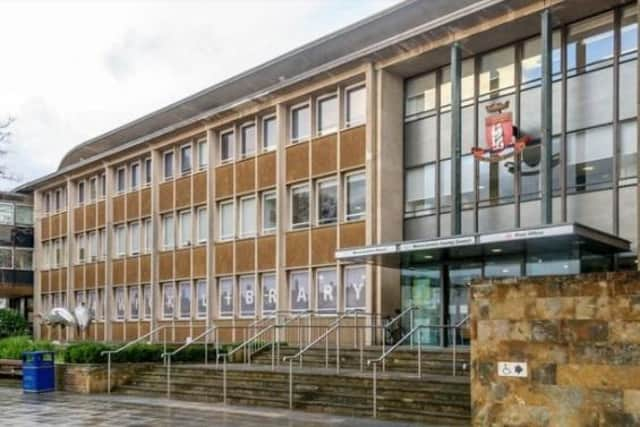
12,324
13,347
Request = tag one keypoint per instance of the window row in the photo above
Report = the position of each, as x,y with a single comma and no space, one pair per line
54,253
91,246
14,214
133,176
132,303
133,238
16,258
263,132
91,189
192,299
188,231
186,161
54,200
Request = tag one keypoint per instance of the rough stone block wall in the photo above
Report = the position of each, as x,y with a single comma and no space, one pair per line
580,336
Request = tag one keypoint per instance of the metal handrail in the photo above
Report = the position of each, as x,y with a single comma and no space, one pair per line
167,356
130,343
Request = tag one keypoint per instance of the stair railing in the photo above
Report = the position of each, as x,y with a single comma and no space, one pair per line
408,336
168,356
411,309
109,353
456,328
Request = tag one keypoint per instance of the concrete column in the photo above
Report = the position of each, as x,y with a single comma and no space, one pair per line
456,138
546,142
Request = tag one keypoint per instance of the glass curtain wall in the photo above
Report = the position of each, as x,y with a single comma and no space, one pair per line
598,123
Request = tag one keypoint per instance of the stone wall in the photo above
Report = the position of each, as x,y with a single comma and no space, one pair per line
580,336
83,378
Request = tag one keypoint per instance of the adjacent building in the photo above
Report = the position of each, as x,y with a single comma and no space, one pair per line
342,175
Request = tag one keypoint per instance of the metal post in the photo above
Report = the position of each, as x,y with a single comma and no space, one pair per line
355,331
338,349
361,353
456,138
411,320
455,339
217,338
273,348
326,352
164,346
375,388
109,373
168,376
224,380
206,349
419,352
546,144
384,339
290,384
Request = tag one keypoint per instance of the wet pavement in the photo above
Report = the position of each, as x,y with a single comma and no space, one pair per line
67,409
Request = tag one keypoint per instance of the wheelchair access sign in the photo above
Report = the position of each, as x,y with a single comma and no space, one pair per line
512,369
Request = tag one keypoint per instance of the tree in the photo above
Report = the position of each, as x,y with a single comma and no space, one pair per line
12,323
5,139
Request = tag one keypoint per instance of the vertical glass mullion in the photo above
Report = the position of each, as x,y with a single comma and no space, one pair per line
563,128
616,120
438,160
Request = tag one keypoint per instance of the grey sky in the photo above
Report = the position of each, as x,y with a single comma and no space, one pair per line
73,69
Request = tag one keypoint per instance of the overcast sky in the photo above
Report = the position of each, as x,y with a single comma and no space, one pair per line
71,70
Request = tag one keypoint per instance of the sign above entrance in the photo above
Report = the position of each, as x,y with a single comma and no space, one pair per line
531,233
500,135
437,244
371,250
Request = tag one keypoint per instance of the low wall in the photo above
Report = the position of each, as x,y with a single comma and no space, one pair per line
83,378
580,338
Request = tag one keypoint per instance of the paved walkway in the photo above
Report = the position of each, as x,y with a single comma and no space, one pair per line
67,409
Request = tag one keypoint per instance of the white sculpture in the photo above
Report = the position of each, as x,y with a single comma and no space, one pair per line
80,318
83,316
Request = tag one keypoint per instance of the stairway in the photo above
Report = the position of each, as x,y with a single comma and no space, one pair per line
433,399
434,361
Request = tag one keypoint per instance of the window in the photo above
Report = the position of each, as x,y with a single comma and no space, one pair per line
92,304
102,236
81,192
327,115
356,196
120,181
147,235
203,224
248,141
135,176
81,248
78,297
300,206
59,201
203,154
247,216
497,70
47,202
227,142
590,42
120,240
225,293
629,31
226,221
531,62
355,291
168,232
99,304
168,165
185,300
6,213
147,307
93,189
247,296
147,171
201,299
269,294
590,159
92,244
420,188
299,291
495,181
134,238
23,259
327,291
466,185
168,300
134,303
327,201
185,159
269,212
184,228
356,108
24,215
103,185
628,149
269,133
467,87
118,303
420,94
300,123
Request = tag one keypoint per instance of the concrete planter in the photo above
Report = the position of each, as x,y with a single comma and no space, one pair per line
92,378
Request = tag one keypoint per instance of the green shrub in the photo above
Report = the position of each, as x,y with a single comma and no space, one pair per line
13,347
12,323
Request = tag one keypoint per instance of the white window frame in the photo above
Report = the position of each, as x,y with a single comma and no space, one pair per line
202,239
255,141
198,283
347,90
131,176
173,165
319,100
182,242
132,225
297,107
167,246
81,249
222,315
92,239
262,216
316,201
255,297
180,284
345,286
263,122
242,233
102,243
93,182
316,275
124,180
292,189
129,310
232,150
230,236
188,146
345,197
163,287
102,186
147,163
270,313
82,183
147,235
145,315
116,317
202,143
117,252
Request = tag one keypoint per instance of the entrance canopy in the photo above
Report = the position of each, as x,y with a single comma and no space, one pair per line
541,240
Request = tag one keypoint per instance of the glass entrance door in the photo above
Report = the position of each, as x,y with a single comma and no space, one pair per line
459,277
421,287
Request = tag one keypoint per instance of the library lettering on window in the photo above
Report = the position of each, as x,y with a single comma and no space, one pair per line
382,167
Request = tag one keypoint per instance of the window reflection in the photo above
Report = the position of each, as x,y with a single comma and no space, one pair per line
590,42
496,181
589,159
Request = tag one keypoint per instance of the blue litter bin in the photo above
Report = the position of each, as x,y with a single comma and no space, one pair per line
38,371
